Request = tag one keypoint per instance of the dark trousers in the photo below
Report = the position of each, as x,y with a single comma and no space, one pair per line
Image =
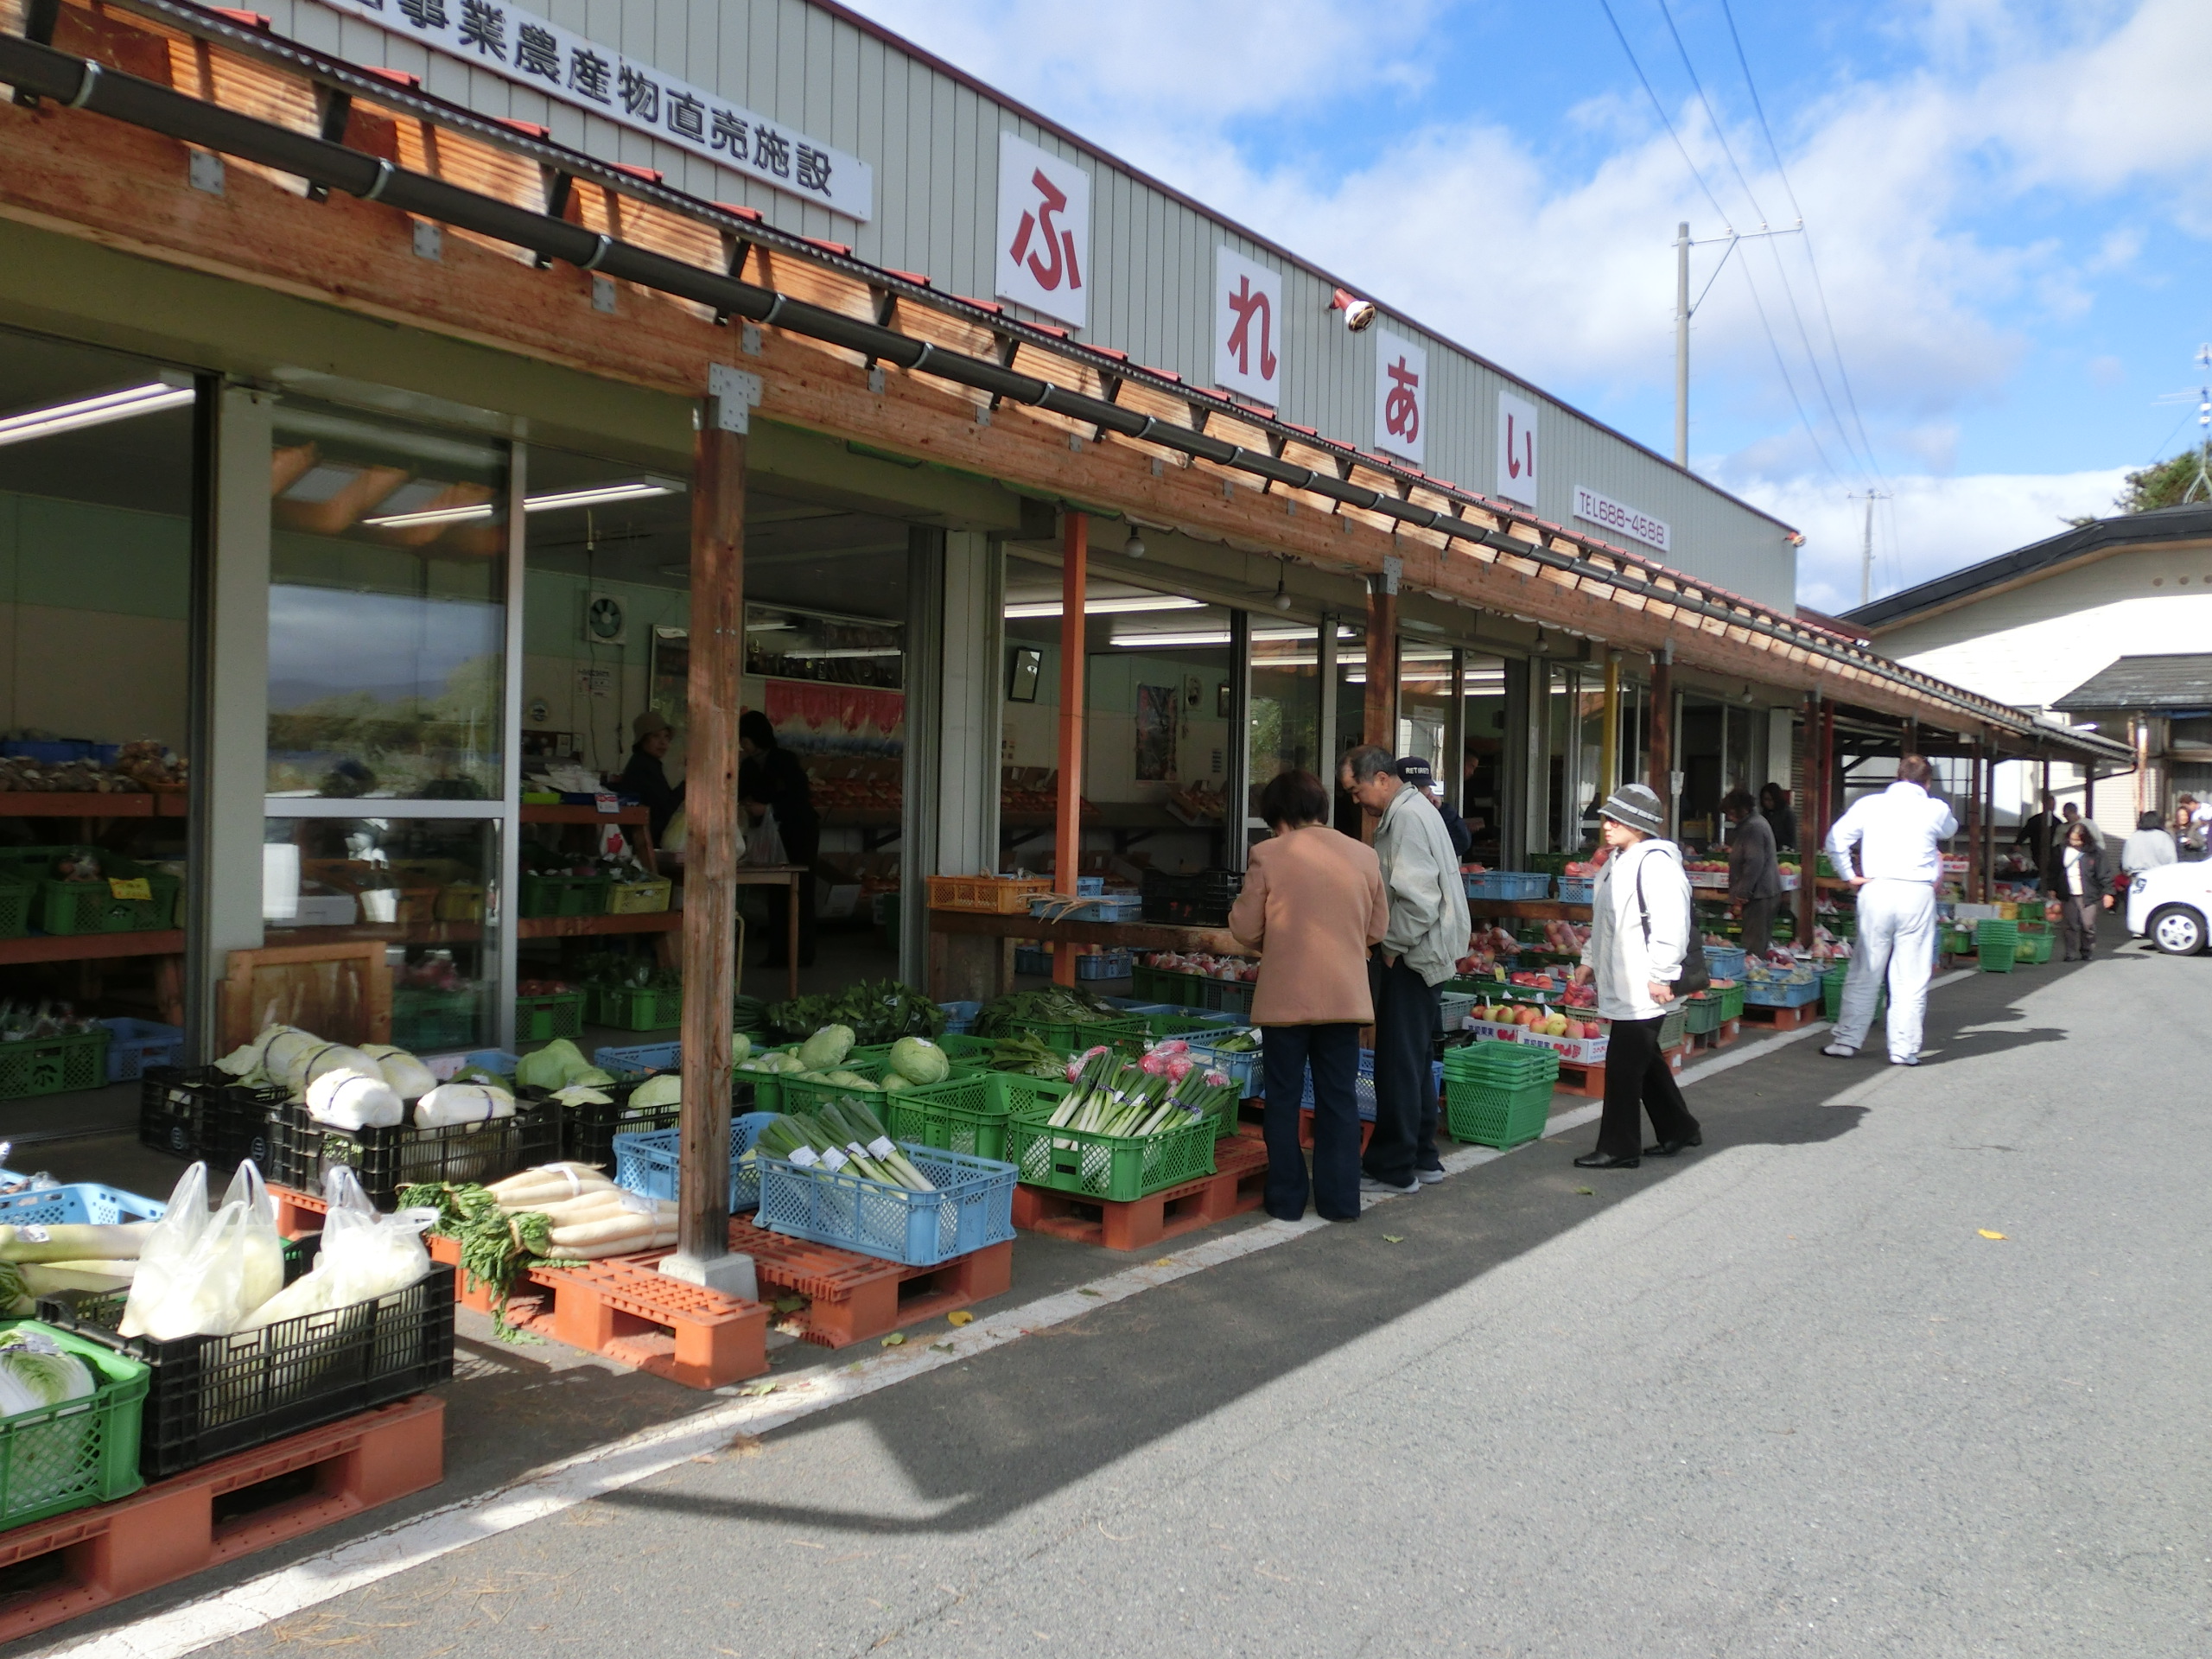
1332,1053
1637,1080
1759,925
800,846
2077,925
1405,1084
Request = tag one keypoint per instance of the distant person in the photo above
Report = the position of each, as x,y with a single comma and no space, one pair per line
2072,815
2039,833
646,777
1781,817
1415,770
2081,891
1640,931
2151,846
1428,936
771,779
1888,848
1312,907
1754,874
2191,822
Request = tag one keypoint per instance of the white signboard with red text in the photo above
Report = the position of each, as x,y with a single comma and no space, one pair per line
1247,327
1516,449
1044,233
1401,397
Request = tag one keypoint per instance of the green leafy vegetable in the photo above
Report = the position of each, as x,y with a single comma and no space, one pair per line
877,1011
916,1059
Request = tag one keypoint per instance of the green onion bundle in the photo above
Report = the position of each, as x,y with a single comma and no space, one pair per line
1117,1095
841,1134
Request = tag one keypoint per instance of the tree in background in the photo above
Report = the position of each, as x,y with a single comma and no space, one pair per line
2165,484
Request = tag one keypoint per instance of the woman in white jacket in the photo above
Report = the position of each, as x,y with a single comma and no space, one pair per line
1640,925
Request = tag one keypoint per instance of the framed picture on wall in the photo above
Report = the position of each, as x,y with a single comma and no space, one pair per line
1221,701
1155,733
1194,691
1027,668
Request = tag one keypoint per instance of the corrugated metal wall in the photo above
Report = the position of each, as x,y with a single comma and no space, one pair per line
933,142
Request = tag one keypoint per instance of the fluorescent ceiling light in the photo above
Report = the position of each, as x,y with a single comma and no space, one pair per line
1143,639
1133,603
636,490
148,399
843,651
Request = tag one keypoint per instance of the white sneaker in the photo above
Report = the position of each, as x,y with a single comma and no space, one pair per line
1428,1177
1908,1060
1838,1051
1368,1185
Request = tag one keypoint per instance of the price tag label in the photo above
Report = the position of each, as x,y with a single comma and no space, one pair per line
137,887
606,802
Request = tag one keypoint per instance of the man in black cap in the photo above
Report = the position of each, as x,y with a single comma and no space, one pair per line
1415,770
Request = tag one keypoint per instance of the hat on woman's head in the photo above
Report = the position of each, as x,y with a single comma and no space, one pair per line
1635,805
649,723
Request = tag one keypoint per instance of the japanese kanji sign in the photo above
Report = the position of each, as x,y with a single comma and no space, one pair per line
1627,521
1044,231
1247,322
1401,397
524,47
1516,449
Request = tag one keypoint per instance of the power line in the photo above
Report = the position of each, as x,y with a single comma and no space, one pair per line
1660,110
1698,86
1775,346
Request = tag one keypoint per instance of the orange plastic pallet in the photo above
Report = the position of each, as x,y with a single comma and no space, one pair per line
853,1297
1581,1077
1783,1018
172,1528
1305,1131
1239,1184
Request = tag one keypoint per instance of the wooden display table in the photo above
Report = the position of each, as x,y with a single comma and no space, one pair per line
971,952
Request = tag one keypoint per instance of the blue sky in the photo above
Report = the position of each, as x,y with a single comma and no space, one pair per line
2009,204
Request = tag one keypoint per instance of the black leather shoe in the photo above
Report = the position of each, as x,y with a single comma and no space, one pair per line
1668,1148
1599,1161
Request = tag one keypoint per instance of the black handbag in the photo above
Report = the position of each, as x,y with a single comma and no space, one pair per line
1696,975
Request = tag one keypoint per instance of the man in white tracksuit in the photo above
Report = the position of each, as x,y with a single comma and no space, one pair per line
1887,847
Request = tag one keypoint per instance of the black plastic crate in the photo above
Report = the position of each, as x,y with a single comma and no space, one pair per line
202,1112
588,1131
210,1397
302,1150
1200,900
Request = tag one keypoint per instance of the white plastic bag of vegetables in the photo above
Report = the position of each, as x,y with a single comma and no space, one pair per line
233,1264
166,1247
363,1255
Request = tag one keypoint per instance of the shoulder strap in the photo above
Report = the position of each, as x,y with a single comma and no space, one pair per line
1643,909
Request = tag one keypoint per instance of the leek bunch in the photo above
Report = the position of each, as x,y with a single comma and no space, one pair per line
841,1134
1130,1099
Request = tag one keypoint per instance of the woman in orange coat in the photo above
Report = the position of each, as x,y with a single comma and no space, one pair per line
1312,905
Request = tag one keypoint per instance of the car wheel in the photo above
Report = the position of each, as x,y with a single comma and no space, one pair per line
2178,931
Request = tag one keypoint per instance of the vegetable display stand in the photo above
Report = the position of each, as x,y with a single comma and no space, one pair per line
542,1019
852,1298
563,896
54,1065
302,1150
632,1009
969,1207
61,1457
210,1397
1237,1183
219,1513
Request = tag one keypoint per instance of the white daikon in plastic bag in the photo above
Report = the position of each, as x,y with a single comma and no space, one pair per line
462,1103
355,1099
264,1245
363,1255
166,1247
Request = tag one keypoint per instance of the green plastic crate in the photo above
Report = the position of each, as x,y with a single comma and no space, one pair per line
1127,1035
966,1114
17,901
1487,1115
1701,1015
2033,948
1109,1167
543,1018
801,1095
1997,944
563,896
76,907
425,1021
1159,985
1731,1001
767,1087
54,1065
631,1010
63,1458
1673,1028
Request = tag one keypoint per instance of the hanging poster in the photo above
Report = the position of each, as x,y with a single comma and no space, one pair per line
1158,713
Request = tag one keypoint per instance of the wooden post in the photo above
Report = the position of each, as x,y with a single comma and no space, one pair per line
1976,890
1609,742
1067,838
1812,834
1660,765
1379,708
718,630
1989,825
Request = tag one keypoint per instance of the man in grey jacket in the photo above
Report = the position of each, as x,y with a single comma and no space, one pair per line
1754,872
1428,936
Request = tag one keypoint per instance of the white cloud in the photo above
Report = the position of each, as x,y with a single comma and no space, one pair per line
1933,525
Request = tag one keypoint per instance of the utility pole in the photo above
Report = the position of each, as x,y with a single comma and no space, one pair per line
1866,546
2204,478
1684,311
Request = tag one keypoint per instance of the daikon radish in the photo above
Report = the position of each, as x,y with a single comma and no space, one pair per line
628,1224
101,1278
572,1177
569,1211
660,1241
74,1242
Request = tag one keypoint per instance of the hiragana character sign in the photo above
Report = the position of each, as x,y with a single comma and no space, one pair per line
1043,231
1247,327
1516,449
1401,397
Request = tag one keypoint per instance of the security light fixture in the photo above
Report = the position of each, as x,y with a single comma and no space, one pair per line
1283,592
171,392
1134,547
1358,314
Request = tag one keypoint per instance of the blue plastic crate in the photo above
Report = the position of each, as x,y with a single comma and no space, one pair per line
1364,1085
645,1163
1578,889
960,1017
1510,884
443,1066
1034,960
138,1044
1243,1068
84,1201
1104,964
971,1209
638,1057
1725,961
1766,993
1122,907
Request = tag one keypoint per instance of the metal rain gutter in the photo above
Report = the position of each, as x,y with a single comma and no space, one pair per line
77,83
